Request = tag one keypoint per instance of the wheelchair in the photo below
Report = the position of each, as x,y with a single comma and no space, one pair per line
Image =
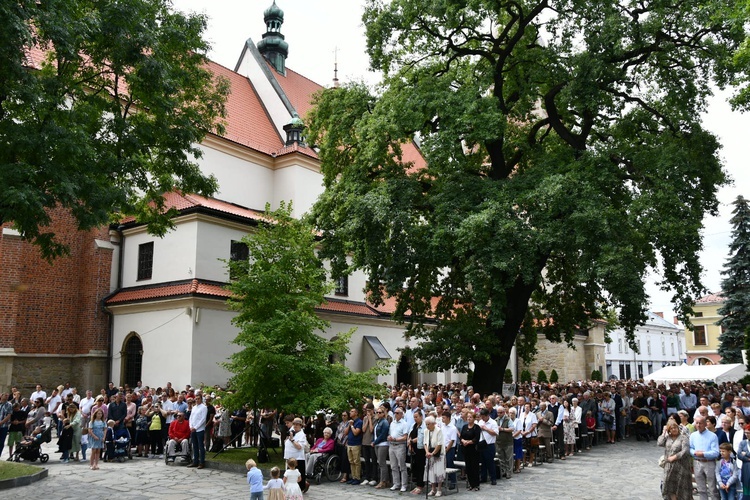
328,465
183,459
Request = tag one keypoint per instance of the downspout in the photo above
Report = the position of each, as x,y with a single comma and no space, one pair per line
110,349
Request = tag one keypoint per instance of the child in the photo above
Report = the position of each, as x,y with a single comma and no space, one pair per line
109,441
96,432
275,486
727,473
591,426
255,480
291,480
84,443
65,442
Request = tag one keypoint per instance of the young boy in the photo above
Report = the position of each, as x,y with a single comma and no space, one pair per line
255,480
727,473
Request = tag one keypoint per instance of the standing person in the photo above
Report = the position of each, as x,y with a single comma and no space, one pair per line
487,445
354,446
380,445
416,449
141,432
607,407
450,441
398,434
557,428
197,432
76,423
529,432
86,404
342,437
294,447
434,448
53,407
370,471
156,424
704,448
727,473
118,411
545,421
255,480
569,430
677,482
6,411
17,427
292,479
743,455
470,436
97,427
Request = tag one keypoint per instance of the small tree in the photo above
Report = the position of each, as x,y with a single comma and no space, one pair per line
285,363
735,287
541,377
553,376
508,378
525,376
596,375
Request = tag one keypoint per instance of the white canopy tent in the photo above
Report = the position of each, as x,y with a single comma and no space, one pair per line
716,373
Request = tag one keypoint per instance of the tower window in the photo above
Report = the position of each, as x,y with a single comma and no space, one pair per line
342,286
238,252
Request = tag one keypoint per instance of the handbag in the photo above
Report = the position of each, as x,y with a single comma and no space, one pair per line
607,418
534,441
662,461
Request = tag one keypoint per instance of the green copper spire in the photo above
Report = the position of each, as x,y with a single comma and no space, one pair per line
272,46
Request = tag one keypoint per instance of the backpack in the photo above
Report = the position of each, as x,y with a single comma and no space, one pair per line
263,456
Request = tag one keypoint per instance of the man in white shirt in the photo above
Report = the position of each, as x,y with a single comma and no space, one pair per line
398,433
66,390
450,438
53,406
198,431
38,393
487,450
409,415
86,404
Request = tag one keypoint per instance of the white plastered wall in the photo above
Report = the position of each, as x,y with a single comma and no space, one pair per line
299,184
212,345
174,255
214,243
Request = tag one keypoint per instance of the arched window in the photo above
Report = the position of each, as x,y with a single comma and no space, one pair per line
132,360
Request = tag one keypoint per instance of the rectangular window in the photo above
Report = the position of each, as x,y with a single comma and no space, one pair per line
679,347
625,345
145,260
699,315
648,346
663,348
342,286
622,371
627,371
699,335
619,345
672,348
640,370
238,252
609,348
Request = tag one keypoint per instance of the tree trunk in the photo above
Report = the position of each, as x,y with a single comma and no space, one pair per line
488,376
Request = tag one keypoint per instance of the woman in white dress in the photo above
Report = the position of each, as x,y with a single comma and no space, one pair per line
434,452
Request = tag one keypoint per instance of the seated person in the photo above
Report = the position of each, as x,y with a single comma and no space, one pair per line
179,433
36,436
322,446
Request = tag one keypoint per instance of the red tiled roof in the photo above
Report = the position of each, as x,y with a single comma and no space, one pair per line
347,307
296,148
710,299
194,287
247,122
185,201
299,89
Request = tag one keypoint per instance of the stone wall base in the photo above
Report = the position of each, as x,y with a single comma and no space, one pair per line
83,371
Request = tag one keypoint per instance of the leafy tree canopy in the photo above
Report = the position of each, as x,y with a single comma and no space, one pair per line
102,104
284,361
735,287
565,160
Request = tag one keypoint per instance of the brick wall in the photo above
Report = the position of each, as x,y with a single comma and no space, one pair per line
55,308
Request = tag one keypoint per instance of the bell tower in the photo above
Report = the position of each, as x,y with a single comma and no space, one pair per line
272,46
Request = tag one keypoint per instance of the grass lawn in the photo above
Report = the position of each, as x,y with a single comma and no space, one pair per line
241,455
10,470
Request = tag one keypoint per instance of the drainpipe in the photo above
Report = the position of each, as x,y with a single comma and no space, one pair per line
107,310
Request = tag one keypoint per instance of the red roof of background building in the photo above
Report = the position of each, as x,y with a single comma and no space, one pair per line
710,299
190,288
182,202
299,89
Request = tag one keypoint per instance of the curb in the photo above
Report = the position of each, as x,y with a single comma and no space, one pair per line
23,480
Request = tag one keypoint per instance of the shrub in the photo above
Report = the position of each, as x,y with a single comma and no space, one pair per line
596,375
525,376
541,377
553,377
508,378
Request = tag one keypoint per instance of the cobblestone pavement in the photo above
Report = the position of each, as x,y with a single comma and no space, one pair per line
627,470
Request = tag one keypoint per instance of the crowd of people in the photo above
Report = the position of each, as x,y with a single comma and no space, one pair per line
445,433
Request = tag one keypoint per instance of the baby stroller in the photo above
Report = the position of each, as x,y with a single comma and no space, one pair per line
33,450
122,445
642,425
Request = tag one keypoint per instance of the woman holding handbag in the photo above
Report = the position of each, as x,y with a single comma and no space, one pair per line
607,407
677,483
433,447
470,435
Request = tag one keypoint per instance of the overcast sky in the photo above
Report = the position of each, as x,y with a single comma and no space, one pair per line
315,29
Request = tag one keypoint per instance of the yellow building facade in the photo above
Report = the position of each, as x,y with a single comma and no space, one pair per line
702,340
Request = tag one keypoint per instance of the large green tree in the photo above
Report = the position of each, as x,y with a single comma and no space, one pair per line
565,160
102,104
735,287
284,361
